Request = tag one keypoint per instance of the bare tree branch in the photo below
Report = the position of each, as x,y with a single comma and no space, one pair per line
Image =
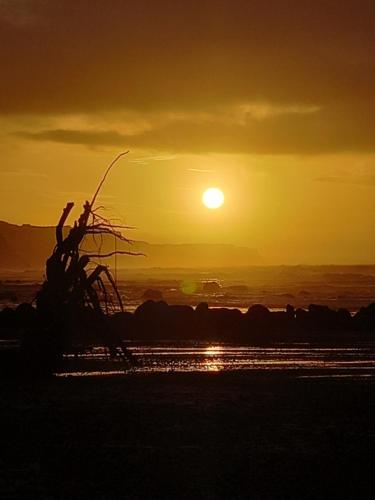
105,176
116,252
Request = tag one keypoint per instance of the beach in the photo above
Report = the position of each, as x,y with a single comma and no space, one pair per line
244,434
187,272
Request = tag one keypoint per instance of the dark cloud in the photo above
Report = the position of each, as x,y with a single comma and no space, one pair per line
303,131
82,137
90,56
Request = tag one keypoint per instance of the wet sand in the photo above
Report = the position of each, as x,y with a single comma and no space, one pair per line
219,435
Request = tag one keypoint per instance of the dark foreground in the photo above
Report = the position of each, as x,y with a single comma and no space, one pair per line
215,435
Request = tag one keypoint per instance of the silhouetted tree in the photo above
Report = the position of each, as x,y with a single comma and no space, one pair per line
72,298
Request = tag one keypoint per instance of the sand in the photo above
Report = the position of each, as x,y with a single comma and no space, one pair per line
187,436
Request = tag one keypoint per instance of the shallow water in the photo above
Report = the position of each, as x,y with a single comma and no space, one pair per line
193,357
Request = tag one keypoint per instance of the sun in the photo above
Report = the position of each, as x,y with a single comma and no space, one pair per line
213,198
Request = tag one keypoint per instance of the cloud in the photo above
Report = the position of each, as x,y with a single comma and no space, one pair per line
276,130
18,13
200,170
22,173
261,111
87,56
82,137
230,76
363,180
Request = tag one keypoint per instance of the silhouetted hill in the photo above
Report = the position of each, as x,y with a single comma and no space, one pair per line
27,247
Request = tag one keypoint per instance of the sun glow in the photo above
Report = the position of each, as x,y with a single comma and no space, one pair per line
213,198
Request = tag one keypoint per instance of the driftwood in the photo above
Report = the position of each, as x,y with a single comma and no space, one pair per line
73,298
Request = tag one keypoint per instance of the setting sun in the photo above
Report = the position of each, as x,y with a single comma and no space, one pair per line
213,198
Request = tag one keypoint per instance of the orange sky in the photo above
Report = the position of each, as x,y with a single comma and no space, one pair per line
271,101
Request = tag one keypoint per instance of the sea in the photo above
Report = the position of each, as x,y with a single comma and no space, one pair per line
351,287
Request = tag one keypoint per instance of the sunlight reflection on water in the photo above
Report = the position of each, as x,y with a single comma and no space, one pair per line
173,357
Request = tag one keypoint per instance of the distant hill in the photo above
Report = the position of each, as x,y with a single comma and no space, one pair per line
26,247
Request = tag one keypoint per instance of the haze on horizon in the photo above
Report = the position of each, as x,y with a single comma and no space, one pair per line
273,102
